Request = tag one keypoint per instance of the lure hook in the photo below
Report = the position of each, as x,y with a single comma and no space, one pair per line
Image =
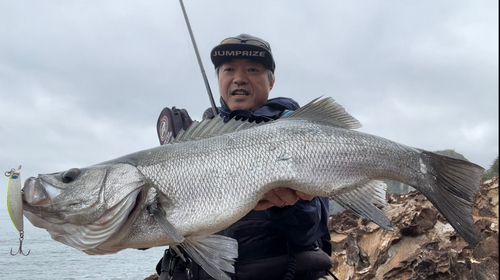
20,250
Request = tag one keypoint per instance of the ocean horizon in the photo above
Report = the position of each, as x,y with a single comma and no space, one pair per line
50,259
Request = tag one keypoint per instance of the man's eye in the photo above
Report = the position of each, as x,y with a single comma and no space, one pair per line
253,70
227,69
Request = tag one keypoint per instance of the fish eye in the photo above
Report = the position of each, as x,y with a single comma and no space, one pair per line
70,175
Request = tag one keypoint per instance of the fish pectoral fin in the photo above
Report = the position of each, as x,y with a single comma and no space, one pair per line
160,217
214,253
362,199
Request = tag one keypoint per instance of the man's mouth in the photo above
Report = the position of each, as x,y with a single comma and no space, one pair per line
240,92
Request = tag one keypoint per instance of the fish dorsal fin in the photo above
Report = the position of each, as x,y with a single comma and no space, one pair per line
211,127
326,110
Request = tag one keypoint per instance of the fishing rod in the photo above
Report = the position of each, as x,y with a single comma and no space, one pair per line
207,85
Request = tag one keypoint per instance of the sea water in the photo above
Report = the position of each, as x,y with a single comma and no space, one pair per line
52,260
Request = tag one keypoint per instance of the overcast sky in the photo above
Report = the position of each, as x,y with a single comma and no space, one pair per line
84,81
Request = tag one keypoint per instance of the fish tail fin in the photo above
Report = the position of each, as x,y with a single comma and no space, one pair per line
453,186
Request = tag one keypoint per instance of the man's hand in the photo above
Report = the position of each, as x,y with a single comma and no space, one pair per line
281,197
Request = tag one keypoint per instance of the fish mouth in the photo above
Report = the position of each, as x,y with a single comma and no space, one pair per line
38,192
112,223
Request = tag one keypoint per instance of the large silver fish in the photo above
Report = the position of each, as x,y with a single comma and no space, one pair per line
214,173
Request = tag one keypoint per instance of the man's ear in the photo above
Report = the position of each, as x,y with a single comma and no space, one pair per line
271,83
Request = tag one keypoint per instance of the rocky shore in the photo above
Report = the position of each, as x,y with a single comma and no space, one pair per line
423,244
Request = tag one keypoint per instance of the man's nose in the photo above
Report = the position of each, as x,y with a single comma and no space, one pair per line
240,77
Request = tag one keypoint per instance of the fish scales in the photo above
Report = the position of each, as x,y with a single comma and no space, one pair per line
205,183
206,175
214,173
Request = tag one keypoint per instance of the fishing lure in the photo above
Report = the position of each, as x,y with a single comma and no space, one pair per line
15,205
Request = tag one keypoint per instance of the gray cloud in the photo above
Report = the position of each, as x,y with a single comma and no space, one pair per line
83,82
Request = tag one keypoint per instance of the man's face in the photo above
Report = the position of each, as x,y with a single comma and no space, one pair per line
244,84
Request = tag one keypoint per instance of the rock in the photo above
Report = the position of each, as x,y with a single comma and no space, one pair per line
423,244
152,277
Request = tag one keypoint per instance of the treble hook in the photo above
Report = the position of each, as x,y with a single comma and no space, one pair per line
20,250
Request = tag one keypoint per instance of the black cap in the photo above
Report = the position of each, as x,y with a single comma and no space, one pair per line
243,46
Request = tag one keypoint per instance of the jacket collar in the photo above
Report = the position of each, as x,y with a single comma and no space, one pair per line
271,110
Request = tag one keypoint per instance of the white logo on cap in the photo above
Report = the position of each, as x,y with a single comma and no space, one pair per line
239,53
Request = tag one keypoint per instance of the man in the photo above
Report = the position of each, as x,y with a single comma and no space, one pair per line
281,238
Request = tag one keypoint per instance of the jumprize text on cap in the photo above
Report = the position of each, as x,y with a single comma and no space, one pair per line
240,53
